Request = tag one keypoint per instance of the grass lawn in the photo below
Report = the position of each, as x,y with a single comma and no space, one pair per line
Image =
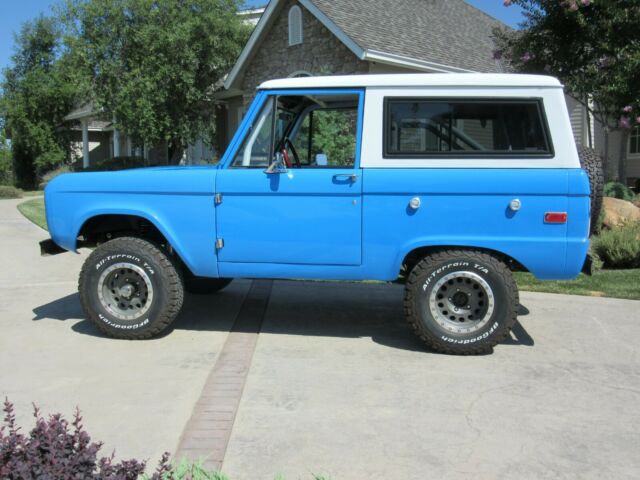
604,283
34,210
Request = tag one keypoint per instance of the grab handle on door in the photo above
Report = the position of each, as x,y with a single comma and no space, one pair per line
346,176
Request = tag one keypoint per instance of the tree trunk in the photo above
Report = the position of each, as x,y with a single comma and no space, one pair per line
622,158
176,151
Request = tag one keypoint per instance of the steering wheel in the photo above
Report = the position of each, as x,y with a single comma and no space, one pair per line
287,143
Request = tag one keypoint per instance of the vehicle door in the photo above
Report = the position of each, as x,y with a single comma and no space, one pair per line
290,189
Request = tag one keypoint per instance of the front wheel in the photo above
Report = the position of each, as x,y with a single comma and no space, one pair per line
461,302
130,289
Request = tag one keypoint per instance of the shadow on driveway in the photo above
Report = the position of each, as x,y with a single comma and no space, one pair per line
295,308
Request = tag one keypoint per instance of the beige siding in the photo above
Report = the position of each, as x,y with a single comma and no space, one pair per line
578,116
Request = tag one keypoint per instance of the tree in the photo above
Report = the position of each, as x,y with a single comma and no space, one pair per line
155,63
38,90
592,46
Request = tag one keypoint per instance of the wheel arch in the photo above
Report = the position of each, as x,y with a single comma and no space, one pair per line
100,226
413,256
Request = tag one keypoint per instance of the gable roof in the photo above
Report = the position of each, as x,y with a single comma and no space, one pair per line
447,32
427,35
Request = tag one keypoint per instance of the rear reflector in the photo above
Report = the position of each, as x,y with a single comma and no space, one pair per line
555,217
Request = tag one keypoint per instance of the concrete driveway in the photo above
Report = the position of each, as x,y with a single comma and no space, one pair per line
335,383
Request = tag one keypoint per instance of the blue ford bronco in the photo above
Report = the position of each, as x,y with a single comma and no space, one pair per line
446,183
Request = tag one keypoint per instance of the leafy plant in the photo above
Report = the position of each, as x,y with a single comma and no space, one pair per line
618,190
154,64
619,247
592,46
7,191
186,470
58,450
40,87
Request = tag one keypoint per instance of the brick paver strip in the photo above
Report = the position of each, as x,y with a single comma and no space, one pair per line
207,433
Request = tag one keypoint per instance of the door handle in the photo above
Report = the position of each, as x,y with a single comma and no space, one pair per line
350,176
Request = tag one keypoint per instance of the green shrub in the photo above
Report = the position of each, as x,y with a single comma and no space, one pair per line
47,177
188,471
7,191
619,247
115,163
618,190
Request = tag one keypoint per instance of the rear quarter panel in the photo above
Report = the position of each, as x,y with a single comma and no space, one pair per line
470,208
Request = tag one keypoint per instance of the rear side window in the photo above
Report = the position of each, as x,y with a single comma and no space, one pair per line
423,128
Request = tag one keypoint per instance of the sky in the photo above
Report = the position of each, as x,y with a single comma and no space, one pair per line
15,12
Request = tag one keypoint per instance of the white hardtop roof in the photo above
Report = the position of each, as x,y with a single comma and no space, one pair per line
416,80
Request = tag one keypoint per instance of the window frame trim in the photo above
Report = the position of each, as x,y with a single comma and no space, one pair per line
295,11
466,154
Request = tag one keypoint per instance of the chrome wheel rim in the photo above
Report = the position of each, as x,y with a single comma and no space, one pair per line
125,291
461,302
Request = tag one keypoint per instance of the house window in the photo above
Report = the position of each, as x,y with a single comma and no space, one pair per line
422,128
634,141
295,25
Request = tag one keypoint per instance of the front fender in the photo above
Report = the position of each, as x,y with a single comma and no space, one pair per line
179,203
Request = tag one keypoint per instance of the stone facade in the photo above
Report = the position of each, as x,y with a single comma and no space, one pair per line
320,53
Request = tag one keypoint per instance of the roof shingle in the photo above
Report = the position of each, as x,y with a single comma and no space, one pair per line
447,32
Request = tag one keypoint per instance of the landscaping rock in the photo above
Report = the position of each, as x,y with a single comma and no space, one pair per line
619,212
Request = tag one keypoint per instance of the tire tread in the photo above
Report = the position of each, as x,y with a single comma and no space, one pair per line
425,265
173,290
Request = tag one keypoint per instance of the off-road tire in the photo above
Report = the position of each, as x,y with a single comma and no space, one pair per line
591,162
156,266
204,285
487,270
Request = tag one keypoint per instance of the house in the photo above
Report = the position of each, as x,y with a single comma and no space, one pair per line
320,37
588,131
317,37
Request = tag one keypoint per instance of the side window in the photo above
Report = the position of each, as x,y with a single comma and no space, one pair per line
257,147
304,130
424,128
326,137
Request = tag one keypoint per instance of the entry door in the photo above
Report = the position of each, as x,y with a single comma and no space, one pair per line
307,211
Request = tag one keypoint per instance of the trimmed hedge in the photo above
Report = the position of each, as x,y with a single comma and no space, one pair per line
115,163
618,190
619,247
7,191
47,177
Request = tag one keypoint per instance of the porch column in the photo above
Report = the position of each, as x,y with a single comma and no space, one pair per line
85,143
116,142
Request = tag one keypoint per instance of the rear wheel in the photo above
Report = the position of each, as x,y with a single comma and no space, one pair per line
130,289
461,302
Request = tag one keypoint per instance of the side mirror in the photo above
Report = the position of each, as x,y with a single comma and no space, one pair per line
278,165
322,160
